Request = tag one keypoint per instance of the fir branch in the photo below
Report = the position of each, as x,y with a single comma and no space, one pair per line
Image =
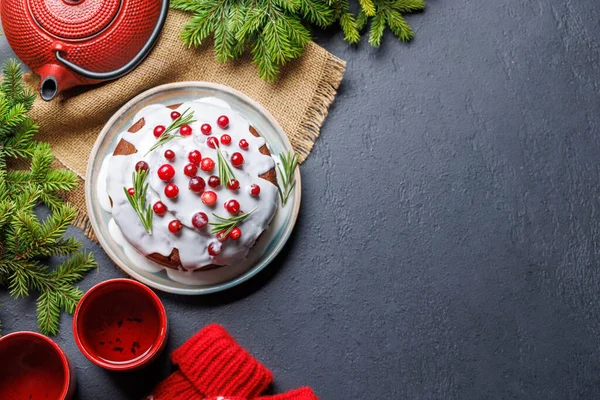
276,31
138,199
286,168
225,172
25,241
166,137
226,225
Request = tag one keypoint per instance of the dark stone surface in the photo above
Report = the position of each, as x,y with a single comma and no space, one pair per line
448,241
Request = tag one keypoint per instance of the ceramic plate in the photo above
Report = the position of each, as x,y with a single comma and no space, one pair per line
268,245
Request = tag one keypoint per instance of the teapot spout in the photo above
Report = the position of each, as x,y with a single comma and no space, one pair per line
55,78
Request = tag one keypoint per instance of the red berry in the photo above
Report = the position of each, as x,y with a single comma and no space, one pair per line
243,144
171,191
169,155
197,184
185,130
237,159
209,198
235,233
206,129
212,142
254,190
214,181
221,236
166,172
226,139
195,157
159,130
131,191
159,208
199,220
207,164
233,184
223,121
141,166
174,226
214,249
232,206
175,115
190,170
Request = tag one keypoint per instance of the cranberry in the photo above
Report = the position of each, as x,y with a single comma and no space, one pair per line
199,220
226,139
235,233
197,184
131,191
232,206
207,164
174,226
169,155
254,190
195,157
243,144
175,115
159,208
233,184
221,236
209,198
237,159
159,130
185,130
206,129
214,249
190,170
171,191
214,181
223,121
212,142
141,166
166,172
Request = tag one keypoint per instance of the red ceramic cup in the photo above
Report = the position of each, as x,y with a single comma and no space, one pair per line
120,324
34,367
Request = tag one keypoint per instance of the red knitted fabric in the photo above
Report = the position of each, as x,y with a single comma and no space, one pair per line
216,365
175,387
304,393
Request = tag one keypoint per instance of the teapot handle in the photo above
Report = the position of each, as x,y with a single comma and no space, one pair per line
125,69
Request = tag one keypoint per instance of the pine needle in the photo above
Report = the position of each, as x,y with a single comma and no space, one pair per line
277,31
25,241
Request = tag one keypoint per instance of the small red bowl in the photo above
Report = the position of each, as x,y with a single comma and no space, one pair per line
34,367
120,324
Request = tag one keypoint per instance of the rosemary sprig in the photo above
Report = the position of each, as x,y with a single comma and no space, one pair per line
289,162
228,224
184,119
138,200
225,172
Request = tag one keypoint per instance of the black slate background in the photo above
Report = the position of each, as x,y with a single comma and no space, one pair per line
448,241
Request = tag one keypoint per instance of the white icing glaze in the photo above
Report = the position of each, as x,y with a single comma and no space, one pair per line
191,243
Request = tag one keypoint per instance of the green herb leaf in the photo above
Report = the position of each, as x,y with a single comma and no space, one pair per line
228,224
166,137
286,168
138,200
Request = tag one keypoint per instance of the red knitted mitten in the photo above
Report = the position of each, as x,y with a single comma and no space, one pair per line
217,366
175,387
304,393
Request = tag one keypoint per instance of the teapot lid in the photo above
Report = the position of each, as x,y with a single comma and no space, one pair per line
74,19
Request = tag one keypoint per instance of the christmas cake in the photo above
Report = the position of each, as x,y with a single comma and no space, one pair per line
192,186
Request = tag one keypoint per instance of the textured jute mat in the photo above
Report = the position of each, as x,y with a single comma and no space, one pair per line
299,100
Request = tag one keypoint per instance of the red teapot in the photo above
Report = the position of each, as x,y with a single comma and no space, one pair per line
80,42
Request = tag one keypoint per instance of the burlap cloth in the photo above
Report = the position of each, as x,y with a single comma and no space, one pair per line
299,100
